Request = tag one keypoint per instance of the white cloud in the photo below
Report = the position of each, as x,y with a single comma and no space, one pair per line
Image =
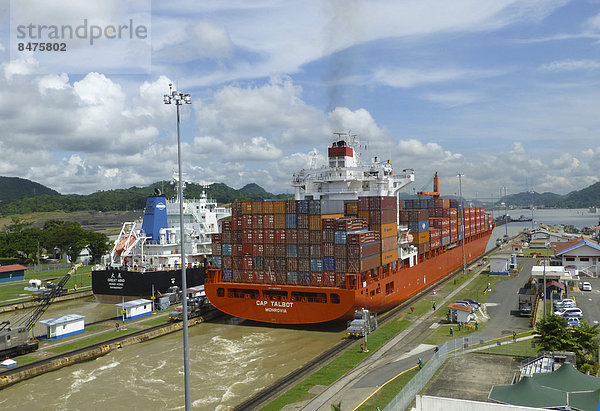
455,98
571,65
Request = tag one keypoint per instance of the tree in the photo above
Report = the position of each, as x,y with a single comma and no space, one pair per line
552,334
98,245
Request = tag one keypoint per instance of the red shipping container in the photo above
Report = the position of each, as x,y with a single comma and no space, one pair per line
316,251
258,250
236,250
303,236
270,250
248,263
304,252
227,225
291,236
303,221
268,221
227,261
246,222
315,237
227,236
269,236
247,236
237,223
280,251
257,221
292,264
216,249
259,277
259,236
328,250
280,235
341,265
290,207
247,248
316,279
248,276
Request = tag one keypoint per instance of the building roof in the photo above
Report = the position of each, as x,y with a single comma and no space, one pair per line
580,242
69,318
565,387
133,303
556,284
563,245
12,267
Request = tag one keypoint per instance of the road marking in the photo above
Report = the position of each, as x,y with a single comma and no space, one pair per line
417,350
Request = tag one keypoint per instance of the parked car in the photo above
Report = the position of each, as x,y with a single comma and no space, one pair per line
567,302
476,303
467,303
586,286
569,312
574,322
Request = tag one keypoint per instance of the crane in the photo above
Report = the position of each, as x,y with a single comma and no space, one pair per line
15,339
436,188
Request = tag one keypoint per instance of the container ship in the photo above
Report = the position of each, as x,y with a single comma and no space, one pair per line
146,259
346,242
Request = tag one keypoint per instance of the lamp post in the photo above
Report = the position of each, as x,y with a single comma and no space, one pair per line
179,98
545,289
505,216
462,208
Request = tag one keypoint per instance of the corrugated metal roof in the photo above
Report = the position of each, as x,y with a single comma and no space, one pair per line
61,320
12,267
133,303
461,307
580,243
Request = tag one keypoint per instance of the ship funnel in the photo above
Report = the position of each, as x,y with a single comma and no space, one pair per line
155,216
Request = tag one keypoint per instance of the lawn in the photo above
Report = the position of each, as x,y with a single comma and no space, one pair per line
339,366
157,321
388,391
14,292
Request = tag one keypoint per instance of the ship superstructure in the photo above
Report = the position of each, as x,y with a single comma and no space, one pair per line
149,249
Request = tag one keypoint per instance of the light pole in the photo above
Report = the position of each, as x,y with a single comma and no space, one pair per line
505,216
544,287
462,208
179,98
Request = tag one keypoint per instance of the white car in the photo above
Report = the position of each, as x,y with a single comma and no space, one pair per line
569,312
586,286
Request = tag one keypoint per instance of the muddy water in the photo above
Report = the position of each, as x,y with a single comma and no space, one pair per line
228,362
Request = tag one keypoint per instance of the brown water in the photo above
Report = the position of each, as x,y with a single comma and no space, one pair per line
228,363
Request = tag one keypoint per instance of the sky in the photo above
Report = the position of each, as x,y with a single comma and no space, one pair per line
504,92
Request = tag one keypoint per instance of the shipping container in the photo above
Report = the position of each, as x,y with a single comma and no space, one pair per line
291,221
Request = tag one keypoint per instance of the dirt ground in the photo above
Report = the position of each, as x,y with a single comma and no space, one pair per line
472,376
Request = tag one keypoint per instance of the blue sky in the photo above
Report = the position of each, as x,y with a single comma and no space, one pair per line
505,92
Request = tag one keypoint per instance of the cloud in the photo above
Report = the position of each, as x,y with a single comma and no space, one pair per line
571,65
454,99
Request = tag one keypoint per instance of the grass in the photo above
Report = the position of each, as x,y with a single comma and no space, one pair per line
157,321
389,391
339,366
14,293
517,349
25,359
91,340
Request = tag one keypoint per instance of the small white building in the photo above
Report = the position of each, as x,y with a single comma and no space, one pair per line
460,313
135,309
65,326
500,264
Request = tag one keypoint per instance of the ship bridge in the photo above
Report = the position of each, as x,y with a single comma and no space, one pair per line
346,177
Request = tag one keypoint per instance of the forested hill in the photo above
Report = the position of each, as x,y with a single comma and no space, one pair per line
133,198
14,188
587,197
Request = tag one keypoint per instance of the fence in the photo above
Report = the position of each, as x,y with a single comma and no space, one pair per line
48,267
407,395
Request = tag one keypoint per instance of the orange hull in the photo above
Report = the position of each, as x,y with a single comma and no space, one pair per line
295,304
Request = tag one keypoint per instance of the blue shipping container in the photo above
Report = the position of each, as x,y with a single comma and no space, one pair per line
291,221
227,274
328,263
340,237
216,261
226,249
316,265
291,250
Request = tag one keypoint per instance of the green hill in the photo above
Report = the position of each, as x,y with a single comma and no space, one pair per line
14,188
133,198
